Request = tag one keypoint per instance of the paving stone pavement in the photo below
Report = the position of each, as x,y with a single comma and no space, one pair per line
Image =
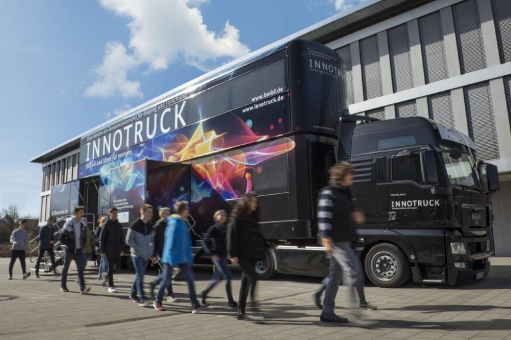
481,310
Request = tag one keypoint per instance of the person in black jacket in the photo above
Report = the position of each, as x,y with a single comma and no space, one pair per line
159,240
336,214
46,242
111,245
215,243
96,234
247,246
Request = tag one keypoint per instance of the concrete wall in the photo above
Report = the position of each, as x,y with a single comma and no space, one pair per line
502,225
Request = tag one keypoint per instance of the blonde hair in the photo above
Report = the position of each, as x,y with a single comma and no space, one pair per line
144,207
339,171
162,210
102,220
218,213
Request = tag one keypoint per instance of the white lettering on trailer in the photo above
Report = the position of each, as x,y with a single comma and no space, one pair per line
138,131
117,133
95,148
107,143
152,134
164,130
178,115
88,155
413,204
127,128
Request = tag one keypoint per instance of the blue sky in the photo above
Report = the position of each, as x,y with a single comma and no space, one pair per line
67,66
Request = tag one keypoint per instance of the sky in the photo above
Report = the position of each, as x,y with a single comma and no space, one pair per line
67,66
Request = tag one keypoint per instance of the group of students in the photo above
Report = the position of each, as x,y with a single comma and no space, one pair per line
169,242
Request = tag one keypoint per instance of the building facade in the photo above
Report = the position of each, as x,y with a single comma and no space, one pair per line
448,60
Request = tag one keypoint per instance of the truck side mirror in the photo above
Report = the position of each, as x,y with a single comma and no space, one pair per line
489,174
429,167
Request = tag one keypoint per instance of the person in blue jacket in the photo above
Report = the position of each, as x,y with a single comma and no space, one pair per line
177,252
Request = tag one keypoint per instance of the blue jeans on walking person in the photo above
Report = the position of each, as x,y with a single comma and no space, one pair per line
186,270
160,281
138,285
222,271
80,259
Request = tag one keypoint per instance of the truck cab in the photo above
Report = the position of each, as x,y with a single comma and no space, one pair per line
425,197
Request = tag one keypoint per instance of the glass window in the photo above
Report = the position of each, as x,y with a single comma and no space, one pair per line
407,168
460,171
396,142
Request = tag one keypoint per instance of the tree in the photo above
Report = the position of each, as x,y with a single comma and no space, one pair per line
9,217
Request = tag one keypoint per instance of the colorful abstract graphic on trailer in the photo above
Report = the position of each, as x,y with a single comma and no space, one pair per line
219,133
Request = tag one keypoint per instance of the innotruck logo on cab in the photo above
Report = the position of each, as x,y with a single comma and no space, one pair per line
414,204
324,67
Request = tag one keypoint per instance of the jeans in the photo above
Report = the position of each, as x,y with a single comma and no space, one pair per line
138,285
222,271
40,257
160,281
113,264
344,261
186,270
80,259
17,254
248,282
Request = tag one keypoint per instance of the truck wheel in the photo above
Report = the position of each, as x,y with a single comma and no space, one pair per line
265,269
386,266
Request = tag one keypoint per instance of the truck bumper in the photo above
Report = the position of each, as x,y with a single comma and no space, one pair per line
476,267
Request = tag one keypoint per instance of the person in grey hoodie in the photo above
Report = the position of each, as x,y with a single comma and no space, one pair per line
140,238
19,244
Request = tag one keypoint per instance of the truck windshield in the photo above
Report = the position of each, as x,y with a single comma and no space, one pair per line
461,171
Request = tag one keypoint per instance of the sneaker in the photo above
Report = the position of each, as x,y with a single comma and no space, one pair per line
198,309
134,298
112,290
64,289
232,305
56,274
36,275
317,300
171,298
333,319
26,275
255,316
85,290
144,303
367,306
10,277
241,315
152,286
158,306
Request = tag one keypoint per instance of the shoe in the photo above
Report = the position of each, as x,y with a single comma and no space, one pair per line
144,303
26,275
99,277
241,316
232,305
85,290
198,309
333,319
255,316
367,306
363,322
36,275
317,300
134,298
56,274
158,306
151,290
171,298
64,289
112,290
10,277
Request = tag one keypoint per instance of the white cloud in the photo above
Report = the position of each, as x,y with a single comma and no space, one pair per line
162,33
342,5
111,74
125,107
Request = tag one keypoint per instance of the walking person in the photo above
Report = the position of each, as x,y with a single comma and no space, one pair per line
177,252
336,214
46,244
74,237
140,239
159,240
215,243
102,274
322,288
19,239
247,246
111,246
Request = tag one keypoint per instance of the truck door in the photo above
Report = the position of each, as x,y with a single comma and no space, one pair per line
413,210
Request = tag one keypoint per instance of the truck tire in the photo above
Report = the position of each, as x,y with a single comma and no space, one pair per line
386,266
265,269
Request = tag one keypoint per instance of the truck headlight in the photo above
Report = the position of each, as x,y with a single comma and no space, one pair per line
458,248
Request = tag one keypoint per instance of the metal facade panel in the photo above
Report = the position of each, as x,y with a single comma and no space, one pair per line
406,109
507,87
370,60
400,63
502,19
440,108
468,36
345,54
376,113
432,45
481,120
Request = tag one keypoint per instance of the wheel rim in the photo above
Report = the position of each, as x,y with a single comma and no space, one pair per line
262,266
384,266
